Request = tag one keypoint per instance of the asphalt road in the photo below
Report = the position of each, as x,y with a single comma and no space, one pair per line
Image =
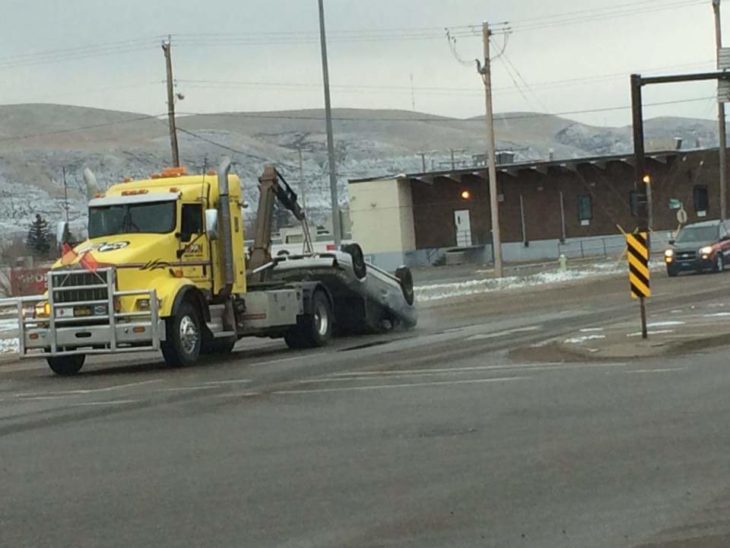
428,438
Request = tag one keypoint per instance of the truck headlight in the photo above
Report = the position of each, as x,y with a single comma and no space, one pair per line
705,251
42,310
143,304
669,253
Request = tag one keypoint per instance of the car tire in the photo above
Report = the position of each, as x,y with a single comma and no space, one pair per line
66,366
184,337
358,259
671,272
315,329
719,262
405,278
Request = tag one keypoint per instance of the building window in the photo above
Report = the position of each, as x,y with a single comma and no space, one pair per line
701,200
585,209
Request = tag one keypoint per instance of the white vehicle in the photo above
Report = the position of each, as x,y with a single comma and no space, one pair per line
291,241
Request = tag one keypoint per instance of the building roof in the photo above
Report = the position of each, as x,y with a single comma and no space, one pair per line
540,166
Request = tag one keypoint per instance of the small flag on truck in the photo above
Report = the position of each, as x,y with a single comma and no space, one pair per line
86,259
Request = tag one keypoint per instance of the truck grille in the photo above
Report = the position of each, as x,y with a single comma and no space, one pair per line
686,255
75,282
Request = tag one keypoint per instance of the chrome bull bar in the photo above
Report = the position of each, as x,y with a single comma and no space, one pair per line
62,332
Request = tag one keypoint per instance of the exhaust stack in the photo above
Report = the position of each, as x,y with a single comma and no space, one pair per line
92,187
224,218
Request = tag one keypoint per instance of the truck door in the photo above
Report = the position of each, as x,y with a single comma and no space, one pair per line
194,250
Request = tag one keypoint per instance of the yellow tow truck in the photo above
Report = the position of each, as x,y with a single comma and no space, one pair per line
165,268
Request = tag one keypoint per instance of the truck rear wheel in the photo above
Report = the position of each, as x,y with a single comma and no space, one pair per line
66,366
315,329
184,337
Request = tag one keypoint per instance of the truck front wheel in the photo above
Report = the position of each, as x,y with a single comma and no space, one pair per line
66,366
184,336
314,329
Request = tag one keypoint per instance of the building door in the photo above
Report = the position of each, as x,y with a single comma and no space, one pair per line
463,228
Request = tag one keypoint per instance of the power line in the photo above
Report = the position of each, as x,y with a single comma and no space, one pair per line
211,141
438,119
270,116
81,128
437,90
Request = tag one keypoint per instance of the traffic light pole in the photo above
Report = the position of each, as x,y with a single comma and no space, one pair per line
642,179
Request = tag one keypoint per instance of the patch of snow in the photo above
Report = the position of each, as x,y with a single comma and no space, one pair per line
583,338
8,325
9,346
657,332
435,292
591,329
665,324
717,315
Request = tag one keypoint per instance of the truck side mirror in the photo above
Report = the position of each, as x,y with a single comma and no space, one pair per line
211,223
671,242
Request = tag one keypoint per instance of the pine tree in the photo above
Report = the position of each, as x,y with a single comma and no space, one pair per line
38,242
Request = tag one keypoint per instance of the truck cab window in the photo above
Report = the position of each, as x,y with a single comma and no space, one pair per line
152,218
192,221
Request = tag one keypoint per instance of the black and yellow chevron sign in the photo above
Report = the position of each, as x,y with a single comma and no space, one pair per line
638,254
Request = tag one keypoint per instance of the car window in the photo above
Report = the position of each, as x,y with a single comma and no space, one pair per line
693,234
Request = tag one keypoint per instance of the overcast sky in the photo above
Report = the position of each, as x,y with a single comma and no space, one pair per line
252,55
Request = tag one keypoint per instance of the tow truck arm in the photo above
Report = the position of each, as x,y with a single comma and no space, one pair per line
272,186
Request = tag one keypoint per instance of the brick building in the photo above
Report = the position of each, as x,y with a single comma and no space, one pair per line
545,207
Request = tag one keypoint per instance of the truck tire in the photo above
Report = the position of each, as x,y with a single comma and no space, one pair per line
403,273
358,259
184,336
315,329
65,366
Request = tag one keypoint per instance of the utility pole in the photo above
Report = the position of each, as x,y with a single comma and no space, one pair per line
65,192
301,179
413,95
486,73
423,161
336,229
721,118
166,48
453,163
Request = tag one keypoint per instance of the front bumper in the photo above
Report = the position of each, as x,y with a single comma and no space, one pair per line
113,332
687,265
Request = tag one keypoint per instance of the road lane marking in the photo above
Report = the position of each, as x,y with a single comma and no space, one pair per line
184,388
660,370
292,358
98,403
230,381
403,372
80,392
404,385
483,336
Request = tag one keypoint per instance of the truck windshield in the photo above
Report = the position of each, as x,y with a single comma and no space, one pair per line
158,218
698,234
